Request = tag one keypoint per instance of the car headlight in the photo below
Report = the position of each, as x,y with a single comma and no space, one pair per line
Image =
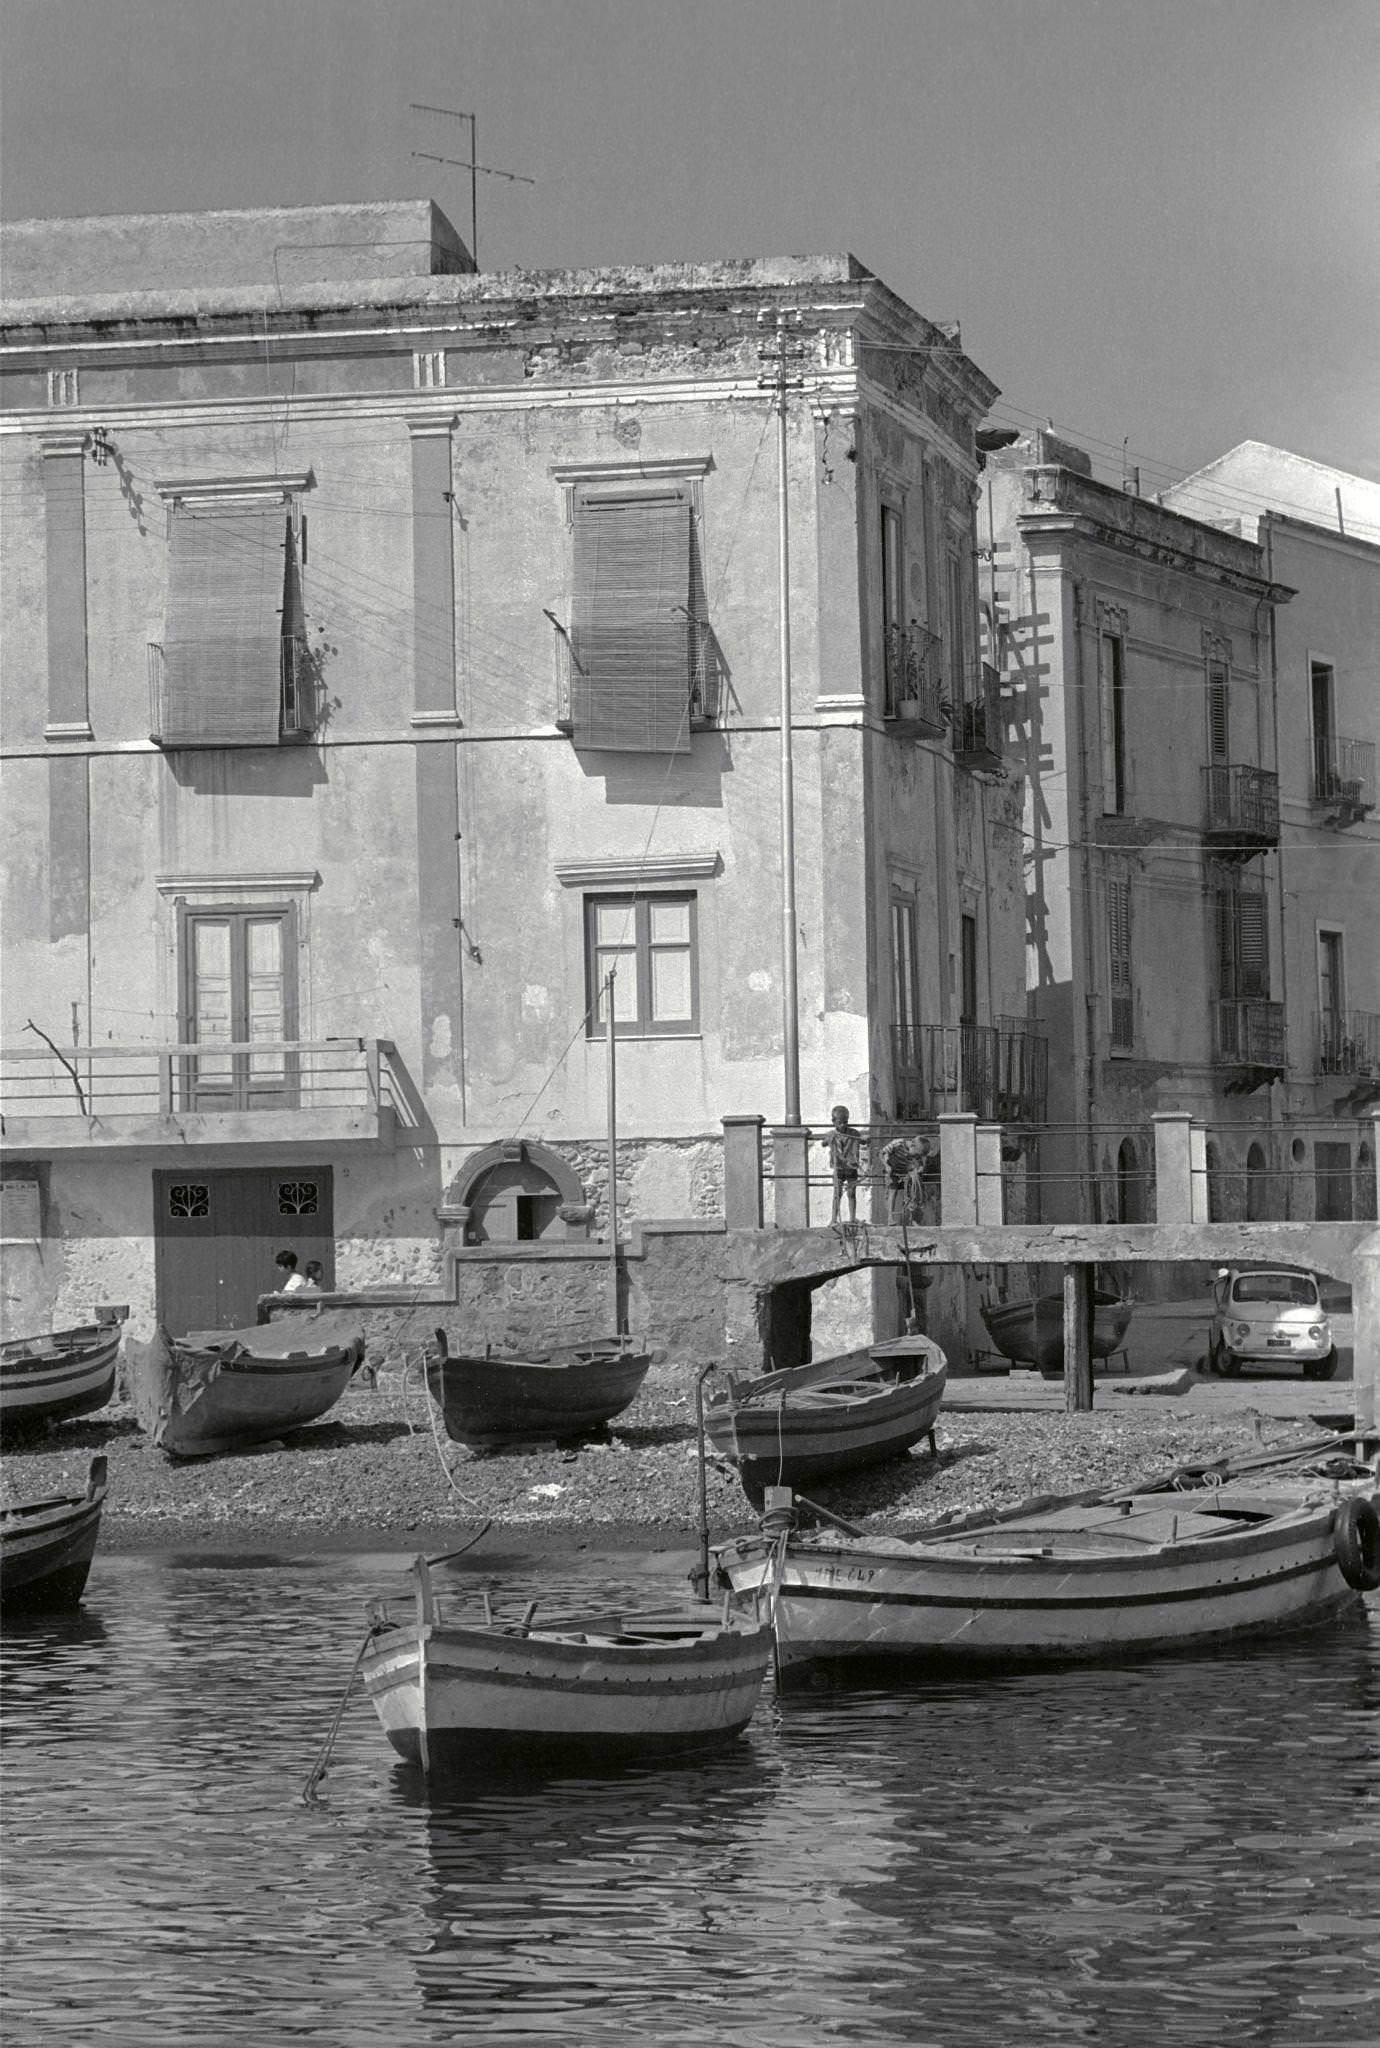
1240,1332
1316,1333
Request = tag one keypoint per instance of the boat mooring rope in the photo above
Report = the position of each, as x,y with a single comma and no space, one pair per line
318,1770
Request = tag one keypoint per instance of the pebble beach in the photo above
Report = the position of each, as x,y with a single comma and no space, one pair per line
379,1469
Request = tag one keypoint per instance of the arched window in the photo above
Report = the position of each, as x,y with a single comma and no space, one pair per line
516,1193
1130,1184
1258,1202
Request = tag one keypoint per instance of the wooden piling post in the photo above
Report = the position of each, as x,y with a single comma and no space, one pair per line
1078,1327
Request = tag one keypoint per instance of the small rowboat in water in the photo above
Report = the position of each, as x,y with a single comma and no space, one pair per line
46,1547
560,1395
1032,1332
831,1415
607,1686
217,1390
1154,1569
65,1373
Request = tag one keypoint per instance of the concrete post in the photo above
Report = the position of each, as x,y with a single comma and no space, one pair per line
991,1195
1202,1193
790,1146
1173,1168
743,1172
1365,1304
958,1197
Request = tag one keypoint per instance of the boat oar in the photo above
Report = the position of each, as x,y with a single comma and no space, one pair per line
824,1515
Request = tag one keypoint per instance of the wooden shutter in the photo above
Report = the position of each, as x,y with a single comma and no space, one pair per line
1119,963
1219,728
1252,946
632,632
222,645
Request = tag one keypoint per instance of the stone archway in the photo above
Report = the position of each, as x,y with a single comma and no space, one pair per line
516,1193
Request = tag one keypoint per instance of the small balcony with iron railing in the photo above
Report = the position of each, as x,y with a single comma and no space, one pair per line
237,692
99,1098
978,722
1240,809
999,1072
1349,1052
1249,1038
1344,778
913,679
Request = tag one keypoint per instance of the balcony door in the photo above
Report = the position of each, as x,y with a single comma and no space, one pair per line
239,987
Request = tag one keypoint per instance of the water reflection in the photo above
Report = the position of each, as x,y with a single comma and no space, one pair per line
1179,1852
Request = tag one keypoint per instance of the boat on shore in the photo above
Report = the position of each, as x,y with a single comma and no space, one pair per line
491,1401
831,1415
1167,1566
46,1547
63,1373
214,1391
606,1686
1032,1332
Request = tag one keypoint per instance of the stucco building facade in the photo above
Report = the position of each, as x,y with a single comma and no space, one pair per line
391,651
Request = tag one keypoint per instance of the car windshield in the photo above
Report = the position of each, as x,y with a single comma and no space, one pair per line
1290,1287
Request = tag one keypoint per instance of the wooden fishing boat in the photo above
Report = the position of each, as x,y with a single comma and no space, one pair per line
1032,1332
217,1390
65,1373
46,1547
831,1415
1151,1570
605,1686
489,1401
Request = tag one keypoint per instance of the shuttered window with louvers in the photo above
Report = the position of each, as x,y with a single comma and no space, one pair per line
1218,713
222,644
634,634
1242,943
1123,1021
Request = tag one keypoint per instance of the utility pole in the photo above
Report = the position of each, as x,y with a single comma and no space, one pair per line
785,356
473,166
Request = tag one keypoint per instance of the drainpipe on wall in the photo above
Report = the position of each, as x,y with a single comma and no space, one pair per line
1090,1001
1269,610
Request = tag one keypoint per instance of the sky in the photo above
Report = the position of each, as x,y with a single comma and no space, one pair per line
1157,221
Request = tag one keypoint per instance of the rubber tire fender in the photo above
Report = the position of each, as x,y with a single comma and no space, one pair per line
1356,1540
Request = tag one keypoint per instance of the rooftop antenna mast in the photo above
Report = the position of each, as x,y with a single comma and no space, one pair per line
473,166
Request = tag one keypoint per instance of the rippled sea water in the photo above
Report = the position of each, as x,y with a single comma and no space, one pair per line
1184,1851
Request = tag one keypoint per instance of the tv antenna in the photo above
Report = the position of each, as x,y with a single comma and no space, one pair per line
473,166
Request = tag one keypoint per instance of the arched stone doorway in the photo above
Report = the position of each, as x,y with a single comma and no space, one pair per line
1258,1202
1130,1183
515,1194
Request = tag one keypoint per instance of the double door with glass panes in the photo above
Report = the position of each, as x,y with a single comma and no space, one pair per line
238,989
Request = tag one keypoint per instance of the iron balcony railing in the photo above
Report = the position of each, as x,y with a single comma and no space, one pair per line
1241,805
913,676
219,721
1344,773
1349,1043
140,1081
1250,1033
999,1072
978,724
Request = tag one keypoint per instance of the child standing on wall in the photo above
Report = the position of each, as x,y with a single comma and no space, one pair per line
844,1145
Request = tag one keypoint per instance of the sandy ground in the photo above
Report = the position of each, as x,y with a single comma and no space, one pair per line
378,1471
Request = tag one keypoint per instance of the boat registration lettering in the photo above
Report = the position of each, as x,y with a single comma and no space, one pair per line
848,1574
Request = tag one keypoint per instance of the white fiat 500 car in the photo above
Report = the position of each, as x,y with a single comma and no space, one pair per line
1270,1318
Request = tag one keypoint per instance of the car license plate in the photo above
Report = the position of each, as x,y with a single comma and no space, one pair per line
1280,1343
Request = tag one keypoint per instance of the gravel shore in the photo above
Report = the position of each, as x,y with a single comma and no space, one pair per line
378,1471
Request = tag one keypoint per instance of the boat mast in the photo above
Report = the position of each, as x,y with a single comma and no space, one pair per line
612,1092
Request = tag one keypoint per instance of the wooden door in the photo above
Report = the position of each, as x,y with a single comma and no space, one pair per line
217,1233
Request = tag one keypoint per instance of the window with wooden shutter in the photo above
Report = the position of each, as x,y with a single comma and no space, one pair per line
637,622
233,597
1241,940
1111,679
1218,717
1123,1023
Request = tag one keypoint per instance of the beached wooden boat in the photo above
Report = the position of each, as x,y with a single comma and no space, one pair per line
58,1375
1032,1332
218,1390
46,1547
831,1415
559,1395
605,1686
1151,1570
